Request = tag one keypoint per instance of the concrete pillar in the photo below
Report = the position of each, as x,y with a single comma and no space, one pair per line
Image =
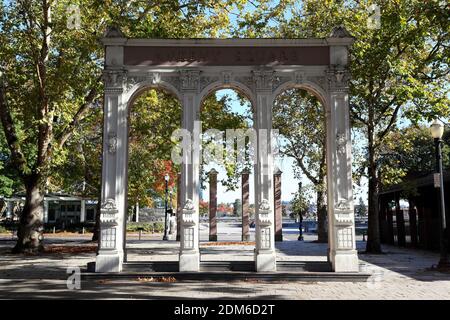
278,206
245,199
212,205
179,206
83,211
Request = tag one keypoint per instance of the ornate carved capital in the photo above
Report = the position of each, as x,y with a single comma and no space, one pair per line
114,80
338,79
190,80
263,79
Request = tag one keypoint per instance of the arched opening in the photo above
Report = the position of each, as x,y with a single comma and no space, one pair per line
300,118
152,178
226,212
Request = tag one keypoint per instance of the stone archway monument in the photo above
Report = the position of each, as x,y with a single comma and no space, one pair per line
260,69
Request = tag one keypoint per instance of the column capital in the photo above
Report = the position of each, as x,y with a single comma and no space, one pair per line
213,172
338,78
263,80
190,80
114,80
277,172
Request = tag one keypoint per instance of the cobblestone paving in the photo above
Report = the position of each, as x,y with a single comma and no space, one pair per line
397,274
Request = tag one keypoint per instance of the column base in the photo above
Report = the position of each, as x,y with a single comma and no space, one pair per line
345,261
213,237
189,262
108,262
246,237
266,261
278,237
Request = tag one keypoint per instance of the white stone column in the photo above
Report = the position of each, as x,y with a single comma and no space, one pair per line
83,210
265,256
189,257
342,251
114,167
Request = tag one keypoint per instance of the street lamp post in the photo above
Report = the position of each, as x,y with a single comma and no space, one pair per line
300,216
166,179
437,130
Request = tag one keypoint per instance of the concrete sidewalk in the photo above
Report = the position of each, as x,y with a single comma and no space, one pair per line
397,274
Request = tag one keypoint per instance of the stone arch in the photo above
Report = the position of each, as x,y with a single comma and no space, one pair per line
256,67
235,85
136,90
308,86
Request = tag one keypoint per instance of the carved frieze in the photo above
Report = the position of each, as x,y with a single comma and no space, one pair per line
206,80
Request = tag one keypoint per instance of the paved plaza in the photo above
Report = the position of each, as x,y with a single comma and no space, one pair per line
397,274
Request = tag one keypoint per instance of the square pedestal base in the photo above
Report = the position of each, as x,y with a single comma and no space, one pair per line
189,262
265,262
108,262
213,237
345,261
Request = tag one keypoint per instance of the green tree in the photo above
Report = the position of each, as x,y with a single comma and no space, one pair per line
237,208
362,208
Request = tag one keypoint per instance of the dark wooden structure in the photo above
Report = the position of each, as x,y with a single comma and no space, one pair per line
417,226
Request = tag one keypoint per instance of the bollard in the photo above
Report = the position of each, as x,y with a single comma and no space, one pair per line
82,231
54,230
140,233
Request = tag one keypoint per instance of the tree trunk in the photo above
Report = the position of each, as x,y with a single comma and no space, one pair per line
30,232
322,230
373,244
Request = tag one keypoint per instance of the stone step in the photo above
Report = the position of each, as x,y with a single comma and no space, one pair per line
208,266
239,266
150,266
